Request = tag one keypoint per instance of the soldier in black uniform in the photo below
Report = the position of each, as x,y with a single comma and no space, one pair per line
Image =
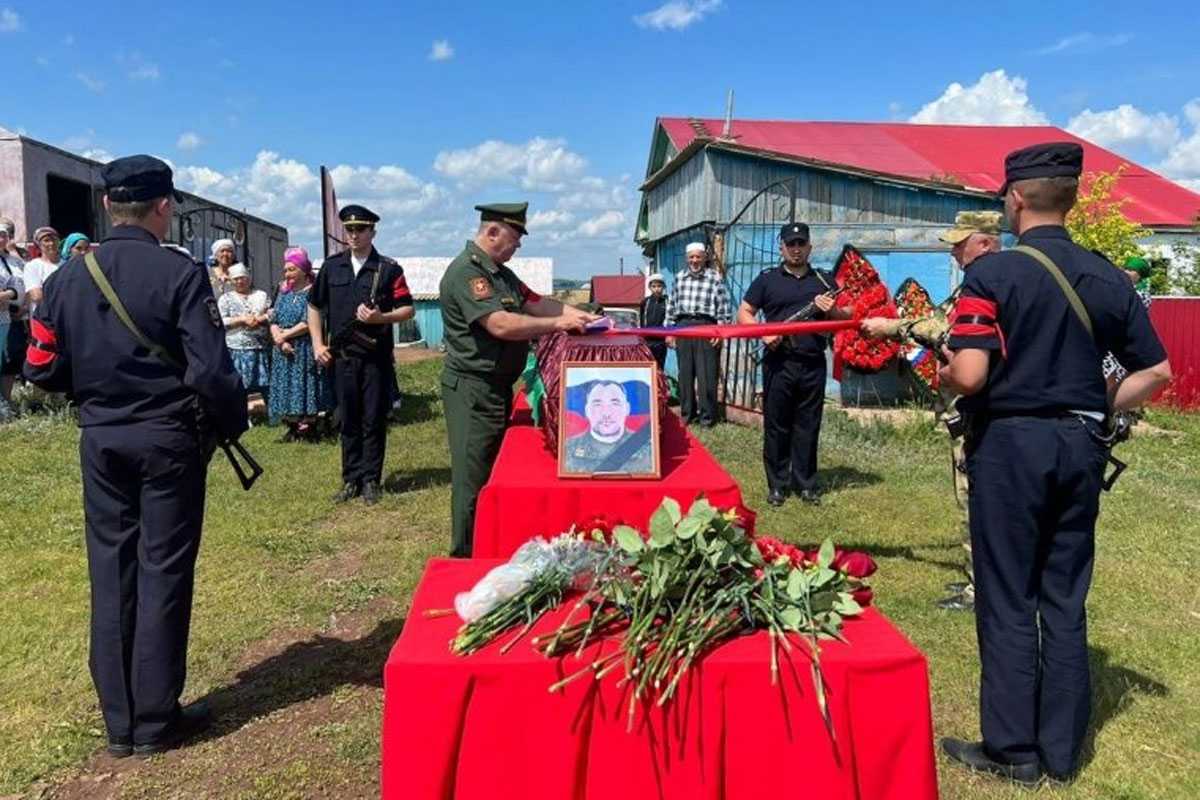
1027,339
361,295
143,456
793,369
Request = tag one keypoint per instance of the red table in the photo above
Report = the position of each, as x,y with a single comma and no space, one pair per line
524,497
484,727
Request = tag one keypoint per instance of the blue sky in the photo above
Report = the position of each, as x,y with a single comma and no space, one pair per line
426,109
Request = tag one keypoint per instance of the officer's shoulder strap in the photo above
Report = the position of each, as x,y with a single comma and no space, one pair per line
110,294
1072,296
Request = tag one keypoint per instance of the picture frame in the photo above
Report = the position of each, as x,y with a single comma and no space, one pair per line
608,423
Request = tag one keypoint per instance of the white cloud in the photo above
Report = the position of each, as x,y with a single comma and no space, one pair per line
604,223
441,51
1085,42
10,21
677,14
98,154
1126,126
93,84
188,140
539,164
145,72
550,220
1182,164
996,99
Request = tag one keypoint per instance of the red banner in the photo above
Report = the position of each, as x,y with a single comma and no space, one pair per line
735,331
331,224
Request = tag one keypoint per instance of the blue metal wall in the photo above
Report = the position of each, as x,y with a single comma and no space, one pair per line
429,322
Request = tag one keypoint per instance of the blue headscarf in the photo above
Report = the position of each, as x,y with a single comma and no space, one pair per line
69,242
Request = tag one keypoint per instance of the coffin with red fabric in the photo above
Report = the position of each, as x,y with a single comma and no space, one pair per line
484,727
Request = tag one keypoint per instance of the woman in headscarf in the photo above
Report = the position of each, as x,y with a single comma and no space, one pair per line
76,244
224,255
246,314
300,387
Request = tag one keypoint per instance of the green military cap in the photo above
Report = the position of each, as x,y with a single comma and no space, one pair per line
509,213
968,222
1139,265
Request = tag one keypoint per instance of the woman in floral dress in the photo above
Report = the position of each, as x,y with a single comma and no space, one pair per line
300,388
246,314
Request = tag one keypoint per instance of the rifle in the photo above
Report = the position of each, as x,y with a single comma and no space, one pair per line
1120,427
355,334
210,440
806,313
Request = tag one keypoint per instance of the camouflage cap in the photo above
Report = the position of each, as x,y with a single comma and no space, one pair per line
968,222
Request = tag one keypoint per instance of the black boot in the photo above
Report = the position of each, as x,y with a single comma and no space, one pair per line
371,492
349,491
975,757
192,720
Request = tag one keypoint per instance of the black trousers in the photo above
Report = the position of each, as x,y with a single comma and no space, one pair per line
658,349
697,375
364,395
143,503
793,403
1035,495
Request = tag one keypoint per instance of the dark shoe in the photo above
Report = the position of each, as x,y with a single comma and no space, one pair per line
776,497
349,492
957,587
370,492
811,497
956,602
1059,778
192,721
708,423
973,756
120,748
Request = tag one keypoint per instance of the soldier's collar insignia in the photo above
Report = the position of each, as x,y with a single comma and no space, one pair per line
481,288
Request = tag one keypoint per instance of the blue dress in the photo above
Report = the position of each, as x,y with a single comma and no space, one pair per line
299,386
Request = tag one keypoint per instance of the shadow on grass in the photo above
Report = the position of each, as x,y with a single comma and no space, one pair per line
417,408
1114,688
837,478
303,671
912,552
402,481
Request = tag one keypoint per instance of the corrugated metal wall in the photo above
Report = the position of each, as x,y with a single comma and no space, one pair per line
429,322
1177,321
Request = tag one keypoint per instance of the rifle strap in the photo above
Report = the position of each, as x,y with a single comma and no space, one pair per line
1072,296
625,451
110,294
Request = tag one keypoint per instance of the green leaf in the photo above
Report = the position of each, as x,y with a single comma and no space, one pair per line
703,510
672,507
825,554
629,539
796,584
846,605
662,530
792,618
823,576
688,528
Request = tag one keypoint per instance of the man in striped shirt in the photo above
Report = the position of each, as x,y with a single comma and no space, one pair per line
700,297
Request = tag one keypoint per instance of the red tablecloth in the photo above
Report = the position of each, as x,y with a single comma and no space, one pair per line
524,497
484,727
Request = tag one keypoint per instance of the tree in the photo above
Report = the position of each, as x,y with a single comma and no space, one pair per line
1184,269
1097,222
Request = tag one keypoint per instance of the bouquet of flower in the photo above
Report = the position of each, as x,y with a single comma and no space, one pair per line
913,302
694,581
868,297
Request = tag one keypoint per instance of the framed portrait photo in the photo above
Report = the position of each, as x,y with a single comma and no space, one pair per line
608,424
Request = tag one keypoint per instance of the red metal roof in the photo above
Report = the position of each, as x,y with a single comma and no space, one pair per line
972,154
618,290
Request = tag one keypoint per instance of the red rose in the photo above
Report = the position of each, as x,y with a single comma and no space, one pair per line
863,595
855,564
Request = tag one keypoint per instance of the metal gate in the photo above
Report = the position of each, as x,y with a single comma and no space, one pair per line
746,246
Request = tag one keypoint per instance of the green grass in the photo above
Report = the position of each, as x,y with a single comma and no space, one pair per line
298,602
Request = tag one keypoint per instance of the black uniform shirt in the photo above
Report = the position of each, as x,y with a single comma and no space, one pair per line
80,346
1046,362
778,293
338,292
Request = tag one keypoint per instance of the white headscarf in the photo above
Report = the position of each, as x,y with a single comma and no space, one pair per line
695,247
221,244
238,270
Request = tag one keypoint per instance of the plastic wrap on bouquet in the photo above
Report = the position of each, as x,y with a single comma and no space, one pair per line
552,351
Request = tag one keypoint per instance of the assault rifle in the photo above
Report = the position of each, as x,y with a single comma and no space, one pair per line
806,313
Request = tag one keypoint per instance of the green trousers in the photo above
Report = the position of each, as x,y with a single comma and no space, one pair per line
477,412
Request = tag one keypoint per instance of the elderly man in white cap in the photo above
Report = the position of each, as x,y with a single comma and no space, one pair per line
224,254
653,314
700,298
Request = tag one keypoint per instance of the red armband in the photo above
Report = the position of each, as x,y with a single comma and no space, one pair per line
43,344
400,289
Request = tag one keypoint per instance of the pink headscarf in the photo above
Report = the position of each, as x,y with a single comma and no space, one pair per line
297,257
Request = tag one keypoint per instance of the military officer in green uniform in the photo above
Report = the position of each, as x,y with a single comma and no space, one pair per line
489,316
975,233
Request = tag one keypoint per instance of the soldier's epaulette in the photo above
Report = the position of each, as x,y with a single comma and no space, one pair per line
475,260
388,260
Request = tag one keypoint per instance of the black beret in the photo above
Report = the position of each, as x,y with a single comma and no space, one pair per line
793,231
1049,160
135,178
358,214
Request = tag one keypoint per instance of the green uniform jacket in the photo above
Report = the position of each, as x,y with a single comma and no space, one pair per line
473,287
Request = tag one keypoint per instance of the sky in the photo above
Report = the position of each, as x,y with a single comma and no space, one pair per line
423,110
